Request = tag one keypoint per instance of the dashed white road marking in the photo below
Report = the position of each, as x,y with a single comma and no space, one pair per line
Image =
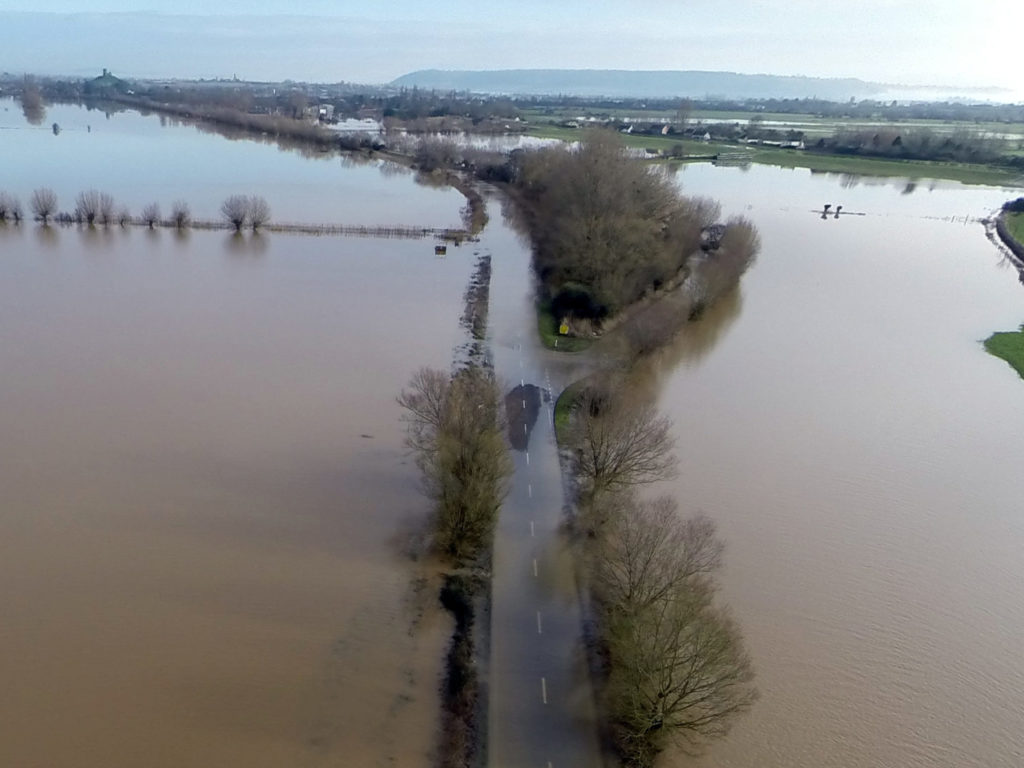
531,529
544,690
539,630
529,490
527,457
535,574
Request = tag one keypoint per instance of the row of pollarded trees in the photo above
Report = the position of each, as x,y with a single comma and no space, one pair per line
93,207
676,671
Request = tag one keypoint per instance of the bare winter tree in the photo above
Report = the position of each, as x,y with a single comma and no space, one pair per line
647,552
679,675
43,203
106,209
8,205
180,214
151,215
721,269
620,444
454,427
236,210
124,216
258,211
88,206
677,669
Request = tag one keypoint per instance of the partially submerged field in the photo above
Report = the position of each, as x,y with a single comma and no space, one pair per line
1009,346
967,173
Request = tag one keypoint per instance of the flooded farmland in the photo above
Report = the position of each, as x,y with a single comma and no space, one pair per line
205,504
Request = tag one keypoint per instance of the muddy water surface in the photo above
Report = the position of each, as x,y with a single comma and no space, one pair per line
204,499
857,447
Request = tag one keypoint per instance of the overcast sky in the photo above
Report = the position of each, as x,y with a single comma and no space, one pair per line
942,42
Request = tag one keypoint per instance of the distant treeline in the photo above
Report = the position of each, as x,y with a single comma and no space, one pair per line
411,104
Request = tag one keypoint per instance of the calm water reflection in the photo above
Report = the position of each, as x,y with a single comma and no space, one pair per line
142,159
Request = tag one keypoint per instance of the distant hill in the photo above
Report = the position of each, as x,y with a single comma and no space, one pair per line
645,84
619,83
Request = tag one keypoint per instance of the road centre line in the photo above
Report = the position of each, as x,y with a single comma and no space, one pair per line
535,574
544,690
531,529
539,630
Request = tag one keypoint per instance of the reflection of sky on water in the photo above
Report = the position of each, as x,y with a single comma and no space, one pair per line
140,159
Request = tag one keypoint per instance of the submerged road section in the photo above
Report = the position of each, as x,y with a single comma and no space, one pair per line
541,712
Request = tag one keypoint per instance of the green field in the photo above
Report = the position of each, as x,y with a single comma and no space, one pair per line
1008,345
967,173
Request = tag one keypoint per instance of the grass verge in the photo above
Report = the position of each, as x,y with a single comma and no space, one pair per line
1015,226
547,327
563,410
1009,346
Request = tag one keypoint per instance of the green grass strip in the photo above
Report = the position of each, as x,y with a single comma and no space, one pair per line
1009,346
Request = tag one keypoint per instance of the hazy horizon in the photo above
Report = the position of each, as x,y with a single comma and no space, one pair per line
318,41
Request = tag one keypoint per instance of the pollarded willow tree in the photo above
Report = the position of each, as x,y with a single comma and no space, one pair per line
43,204
258,212
236,210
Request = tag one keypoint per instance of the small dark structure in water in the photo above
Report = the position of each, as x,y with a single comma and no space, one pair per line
440,250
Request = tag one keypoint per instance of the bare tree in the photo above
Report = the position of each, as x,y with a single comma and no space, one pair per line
43,203
106,209
180,214
124,216
258,211
679,674
647,552
151,215
89,205
424,402
619,444
8,205
677,668
236,210
455,430
722,268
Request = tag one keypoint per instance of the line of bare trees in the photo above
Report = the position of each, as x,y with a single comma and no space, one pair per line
95,208
675,670
242,210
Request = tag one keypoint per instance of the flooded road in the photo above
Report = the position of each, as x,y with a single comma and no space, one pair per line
205,499
856,446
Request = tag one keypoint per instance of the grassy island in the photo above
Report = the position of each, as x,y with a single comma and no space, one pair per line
1008,345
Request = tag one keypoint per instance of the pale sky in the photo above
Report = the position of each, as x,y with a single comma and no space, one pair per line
938,42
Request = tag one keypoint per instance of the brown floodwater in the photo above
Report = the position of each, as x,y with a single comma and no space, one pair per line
205,502
840,420
205,506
